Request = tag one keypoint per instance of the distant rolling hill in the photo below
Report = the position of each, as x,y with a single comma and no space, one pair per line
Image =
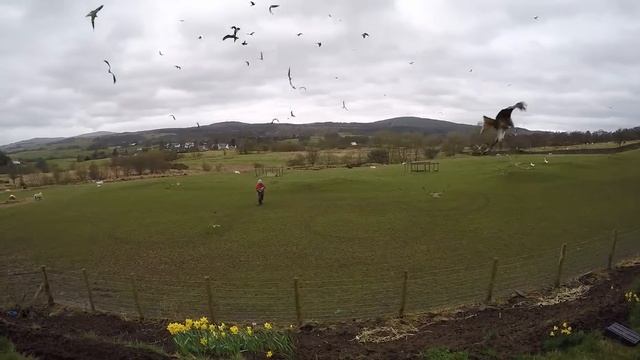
224,131
37,143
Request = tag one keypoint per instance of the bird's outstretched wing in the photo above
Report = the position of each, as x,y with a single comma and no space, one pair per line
114,77
171,115
487,124
272,7
93,22
344,106
290,80
109,65
228,37
274,120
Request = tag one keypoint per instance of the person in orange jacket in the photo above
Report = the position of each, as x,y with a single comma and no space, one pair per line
260,190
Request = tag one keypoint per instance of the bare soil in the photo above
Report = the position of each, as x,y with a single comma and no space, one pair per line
501,331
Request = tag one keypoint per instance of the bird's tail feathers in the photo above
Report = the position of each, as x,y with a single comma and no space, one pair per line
520,106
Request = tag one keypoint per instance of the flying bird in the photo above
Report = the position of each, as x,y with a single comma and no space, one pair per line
173,116
272,7
251,33
247,62
252,3
261,56
536,17
471,70
93,14
200,37
274,120
532,164
181,20
245,43
234,37
109,71
411,62
289,76
502,122
299,34
364,35
198,124
178,67
319,44
344,106
160,52
292,114
235,29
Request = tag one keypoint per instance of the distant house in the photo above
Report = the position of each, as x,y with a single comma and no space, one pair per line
16,162
223,146
176,146
353,143
189,145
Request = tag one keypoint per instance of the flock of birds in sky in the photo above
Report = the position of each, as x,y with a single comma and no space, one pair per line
502,122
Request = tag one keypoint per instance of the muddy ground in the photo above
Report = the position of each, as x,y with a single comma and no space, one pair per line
518,326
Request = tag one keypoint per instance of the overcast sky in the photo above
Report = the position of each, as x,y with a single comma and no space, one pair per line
577,65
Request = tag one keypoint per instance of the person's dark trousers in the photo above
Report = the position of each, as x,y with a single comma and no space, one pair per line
260,197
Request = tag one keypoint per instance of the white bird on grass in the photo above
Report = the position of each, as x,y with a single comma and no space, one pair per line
532,164
546,161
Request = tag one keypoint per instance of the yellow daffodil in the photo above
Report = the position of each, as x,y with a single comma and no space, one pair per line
569,328
188,323
268,326
223,334
552,334
555,328
249,331
176,328
222,327
204,341
269,353
234,330
564,324
212,327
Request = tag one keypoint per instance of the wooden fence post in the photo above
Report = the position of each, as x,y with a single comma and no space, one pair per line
403,296
86,283
212,315
47,288
563,253
135,296
492,280
296,292
613,249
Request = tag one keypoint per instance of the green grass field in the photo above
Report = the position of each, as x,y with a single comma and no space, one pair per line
348,234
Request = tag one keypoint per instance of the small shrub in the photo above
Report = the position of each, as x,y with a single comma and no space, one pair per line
219,167
206,166
430,152
201,339
380,156
444,354
562,337
298,160
179,166
258,165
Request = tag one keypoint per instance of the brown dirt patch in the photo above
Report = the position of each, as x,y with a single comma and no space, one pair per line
503,331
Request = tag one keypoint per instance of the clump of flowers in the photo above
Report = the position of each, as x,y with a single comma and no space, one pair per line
559,331
562,337
631,297
201,338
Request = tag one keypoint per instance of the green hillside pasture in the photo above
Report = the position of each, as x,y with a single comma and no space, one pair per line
348,234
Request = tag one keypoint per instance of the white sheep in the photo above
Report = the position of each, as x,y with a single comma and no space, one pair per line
38,196
237,172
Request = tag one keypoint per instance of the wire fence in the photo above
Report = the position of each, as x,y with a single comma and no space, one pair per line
290,300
